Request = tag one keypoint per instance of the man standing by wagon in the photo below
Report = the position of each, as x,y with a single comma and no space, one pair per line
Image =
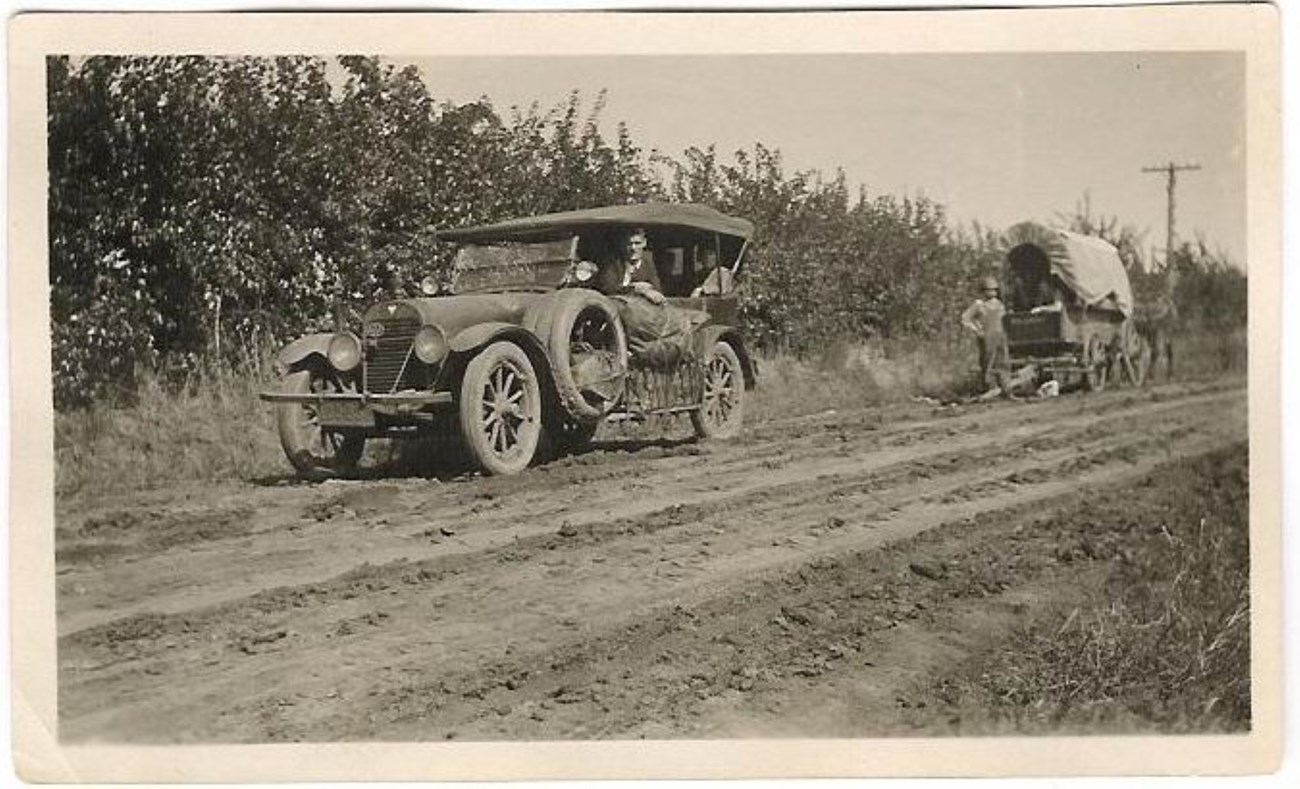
984,319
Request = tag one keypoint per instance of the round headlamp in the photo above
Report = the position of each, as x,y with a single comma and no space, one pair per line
430,345
584,271
344,351
430,286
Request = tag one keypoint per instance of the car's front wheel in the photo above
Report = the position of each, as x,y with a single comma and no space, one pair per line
723,408
501,409
315,451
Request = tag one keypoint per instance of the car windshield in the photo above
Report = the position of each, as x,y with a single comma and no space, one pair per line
507,265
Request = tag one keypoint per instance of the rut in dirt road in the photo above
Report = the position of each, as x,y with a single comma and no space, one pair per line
402,608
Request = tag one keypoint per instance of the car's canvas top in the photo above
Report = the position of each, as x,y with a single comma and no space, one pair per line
1087,265
647,215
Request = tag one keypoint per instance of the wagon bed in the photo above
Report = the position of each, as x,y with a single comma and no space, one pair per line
1069,303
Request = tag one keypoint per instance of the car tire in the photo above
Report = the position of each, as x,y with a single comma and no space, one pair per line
723,409
315,452
578,316
501,409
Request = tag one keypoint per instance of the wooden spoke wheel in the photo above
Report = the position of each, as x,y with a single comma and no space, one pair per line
723,407
316,452
501,409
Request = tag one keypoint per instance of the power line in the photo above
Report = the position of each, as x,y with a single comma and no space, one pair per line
1171,171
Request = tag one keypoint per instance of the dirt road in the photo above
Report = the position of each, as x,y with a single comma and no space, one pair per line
652,589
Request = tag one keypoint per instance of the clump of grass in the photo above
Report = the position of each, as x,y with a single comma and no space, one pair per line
1205,353
215,429
1169,645
855,375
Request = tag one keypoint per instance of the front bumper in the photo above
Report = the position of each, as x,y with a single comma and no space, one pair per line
374,414
361,398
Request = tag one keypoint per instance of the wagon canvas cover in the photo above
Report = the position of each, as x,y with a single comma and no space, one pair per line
1089,266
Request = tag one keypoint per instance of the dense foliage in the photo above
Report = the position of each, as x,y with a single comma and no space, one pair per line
199,204
203,209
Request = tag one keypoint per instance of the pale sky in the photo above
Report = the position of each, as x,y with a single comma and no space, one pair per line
998,138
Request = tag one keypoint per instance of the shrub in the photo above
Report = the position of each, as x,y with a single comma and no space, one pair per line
202,208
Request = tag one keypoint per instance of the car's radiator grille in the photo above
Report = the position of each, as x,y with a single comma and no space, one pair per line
388,359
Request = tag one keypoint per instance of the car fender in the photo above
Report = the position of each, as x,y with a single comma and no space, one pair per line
302,349
481,334
468,341
729,334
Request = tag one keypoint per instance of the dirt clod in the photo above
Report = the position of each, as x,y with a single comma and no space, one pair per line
931,570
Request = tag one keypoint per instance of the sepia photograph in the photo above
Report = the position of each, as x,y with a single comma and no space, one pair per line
644,381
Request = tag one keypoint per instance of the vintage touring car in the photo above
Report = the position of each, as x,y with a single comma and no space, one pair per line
539,336
1069,308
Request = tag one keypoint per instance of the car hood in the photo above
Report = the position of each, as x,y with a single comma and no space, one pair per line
455,313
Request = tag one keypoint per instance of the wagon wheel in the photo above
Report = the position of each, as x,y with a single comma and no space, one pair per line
315,452
1097,363
723,409
501,409
1138,365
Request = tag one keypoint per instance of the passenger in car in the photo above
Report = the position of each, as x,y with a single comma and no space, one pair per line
627,268
718,282
640,274
656,332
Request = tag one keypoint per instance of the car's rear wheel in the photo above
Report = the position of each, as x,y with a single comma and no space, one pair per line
315,451
501,409
723,408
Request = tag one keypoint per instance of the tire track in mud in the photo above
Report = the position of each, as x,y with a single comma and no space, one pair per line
335,657
876,500
304,539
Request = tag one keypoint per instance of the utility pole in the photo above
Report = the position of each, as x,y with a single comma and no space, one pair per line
1171,171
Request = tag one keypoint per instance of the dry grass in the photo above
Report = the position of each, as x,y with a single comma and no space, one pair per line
1202,354
218,429
1167,643
849,375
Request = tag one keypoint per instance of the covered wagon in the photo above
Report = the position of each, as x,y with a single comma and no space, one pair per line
1069,307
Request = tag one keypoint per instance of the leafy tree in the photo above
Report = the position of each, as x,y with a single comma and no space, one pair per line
820,268
1211,293
203,209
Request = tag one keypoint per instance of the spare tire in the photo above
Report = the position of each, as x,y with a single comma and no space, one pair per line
588,350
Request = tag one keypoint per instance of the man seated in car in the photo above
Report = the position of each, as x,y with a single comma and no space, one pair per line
656,332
